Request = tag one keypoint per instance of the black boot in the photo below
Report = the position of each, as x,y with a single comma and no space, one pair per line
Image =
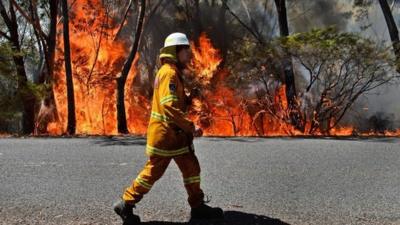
124,210
206,212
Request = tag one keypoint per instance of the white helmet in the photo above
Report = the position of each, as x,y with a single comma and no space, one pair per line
176,39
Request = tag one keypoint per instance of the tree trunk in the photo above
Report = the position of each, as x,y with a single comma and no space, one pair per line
51,49
121,80
393,31
222,42
197,24
27,98
288,68
68,70
46,76
51,39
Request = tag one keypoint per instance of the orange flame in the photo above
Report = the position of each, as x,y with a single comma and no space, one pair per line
97,59
206,59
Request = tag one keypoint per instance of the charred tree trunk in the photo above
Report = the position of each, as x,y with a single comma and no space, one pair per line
51,40
68,70
197,24
288,68
47,72
393,31
121,80
51,50
221,39
27,98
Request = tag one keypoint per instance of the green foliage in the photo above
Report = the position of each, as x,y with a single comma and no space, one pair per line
332,70
329,45
251,63
340,67
6,66
8,100
11,94
40,91
10,107
326,40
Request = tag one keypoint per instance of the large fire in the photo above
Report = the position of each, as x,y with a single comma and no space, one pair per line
97,59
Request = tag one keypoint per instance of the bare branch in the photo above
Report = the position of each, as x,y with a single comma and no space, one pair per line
69,8
5,16
123,20
259,39
34,22
3,34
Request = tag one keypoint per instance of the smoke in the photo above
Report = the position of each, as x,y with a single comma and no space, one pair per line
381,107
305,15
383,103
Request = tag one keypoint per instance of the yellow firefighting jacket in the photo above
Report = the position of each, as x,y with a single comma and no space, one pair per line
169,132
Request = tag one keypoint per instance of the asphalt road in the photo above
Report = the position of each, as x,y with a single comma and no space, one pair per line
256,181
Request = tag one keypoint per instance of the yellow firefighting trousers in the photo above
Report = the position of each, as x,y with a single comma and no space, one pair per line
155,168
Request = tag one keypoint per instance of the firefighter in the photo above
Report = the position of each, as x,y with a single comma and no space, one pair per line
169,136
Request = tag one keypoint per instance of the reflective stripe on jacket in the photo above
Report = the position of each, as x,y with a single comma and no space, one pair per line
169,133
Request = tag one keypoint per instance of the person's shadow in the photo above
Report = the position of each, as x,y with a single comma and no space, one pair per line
230,218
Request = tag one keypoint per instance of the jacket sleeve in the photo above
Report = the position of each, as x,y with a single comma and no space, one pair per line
169,100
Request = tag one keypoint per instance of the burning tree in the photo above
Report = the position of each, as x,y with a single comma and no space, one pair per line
121,80
97,60
221,111
339,68
287,67
333,70
238,65
71,124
